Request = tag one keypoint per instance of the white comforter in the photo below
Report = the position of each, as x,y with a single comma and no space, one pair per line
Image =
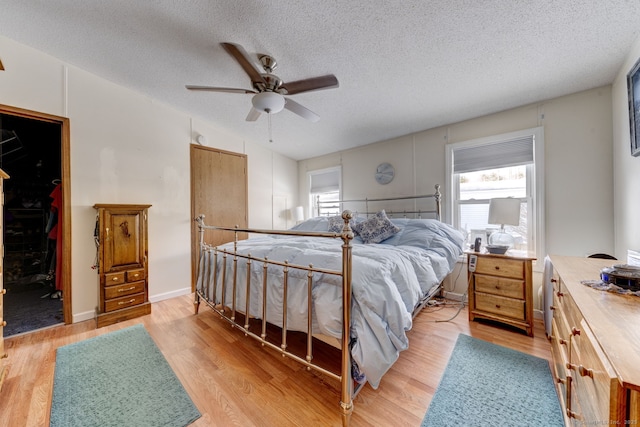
388,280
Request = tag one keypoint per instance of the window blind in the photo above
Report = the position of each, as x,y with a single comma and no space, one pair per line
502,154
325,182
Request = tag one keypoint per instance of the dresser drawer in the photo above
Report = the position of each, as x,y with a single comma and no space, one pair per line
114,278
124,289
502,267
134,275
560,353
595,382
564,303
124,302
501,306
500,286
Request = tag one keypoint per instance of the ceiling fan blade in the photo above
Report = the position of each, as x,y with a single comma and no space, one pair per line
242,57
298,109
253,115
315,83
219,89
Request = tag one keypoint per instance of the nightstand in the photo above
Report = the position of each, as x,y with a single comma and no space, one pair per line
500,289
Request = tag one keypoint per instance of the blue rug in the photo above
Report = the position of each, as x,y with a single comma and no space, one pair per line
118,379
485,384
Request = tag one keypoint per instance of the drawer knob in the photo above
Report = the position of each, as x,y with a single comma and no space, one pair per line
554,281
585,372
575,331
131,301
3,291
497,286
136,275
497,267
551,307
497,305
562,341
560,294
4,356
4,323
115,279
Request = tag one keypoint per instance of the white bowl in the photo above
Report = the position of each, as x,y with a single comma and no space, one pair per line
497,249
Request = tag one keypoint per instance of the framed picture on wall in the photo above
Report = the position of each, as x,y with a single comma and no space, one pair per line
633,87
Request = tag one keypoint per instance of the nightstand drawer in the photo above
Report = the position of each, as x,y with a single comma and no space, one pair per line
502,267
501,306
500,286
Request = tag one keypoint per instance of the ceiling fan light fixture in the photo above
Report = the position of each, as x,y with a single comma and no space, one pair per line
268,102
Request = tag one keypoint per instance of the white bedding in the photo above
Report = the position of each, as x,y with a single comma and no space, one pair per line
388,280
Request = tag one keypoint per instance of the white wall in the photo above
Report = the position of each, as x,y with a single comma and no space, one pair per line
578,167
626,167
128,148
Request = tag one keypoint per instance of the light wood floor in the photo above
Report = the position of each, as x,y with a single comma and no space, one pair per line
235,382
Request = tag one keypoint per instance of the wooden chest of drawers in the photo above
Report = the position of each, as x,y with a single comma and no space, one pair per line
500,289
122,262
595,345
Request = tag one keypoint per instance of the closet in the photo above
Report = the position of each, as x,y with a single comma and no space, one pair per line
31,153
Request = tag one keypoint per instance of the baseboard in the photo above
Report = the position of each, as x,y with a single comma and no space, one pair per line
169,295
455,296
81,317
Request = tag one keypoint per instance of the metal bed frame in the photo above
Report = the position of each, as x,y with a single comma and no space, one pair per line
349,388
417,213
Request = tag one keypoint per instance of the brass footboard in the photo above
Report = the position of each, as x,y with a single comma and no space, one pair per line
206,290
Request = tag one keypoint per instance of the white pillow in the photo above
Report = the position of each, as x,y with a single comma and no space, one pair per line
377,228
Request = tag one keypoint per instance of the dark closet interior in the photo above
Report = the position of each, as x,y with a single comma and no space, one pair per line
30,153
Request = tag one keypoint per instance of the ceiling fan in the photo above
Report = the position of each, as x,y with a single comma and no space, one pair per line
268,89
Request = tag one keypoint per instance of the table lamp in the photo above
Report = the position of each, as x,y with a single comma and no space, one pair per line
505,210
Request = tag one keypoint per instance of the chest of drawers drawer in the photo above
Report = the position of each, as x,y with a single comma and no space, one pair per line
118,291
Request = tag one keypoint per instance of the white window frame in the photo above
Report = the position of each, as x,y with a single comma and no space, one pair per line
313,209
535,183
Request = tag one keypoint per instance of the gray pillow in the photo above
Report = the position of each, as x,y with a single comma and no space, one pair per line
377,228
336,223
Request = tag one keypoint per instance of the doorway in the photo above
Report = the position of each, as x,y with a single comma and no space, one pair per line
34,153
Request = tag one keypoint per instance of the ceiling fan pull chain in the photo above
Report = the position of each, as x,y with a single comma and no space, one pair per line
269,121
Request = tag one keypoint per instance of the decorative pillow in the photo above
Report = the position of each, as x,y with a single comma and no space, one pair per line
336,223
377,228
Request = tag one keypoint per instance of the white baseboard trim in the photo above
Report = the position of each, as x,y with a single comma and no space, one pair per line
81,317
169,295
455,296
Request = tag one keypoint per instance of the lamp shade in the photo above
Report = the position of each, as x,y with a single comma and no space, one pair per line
297,213
504,210
268,102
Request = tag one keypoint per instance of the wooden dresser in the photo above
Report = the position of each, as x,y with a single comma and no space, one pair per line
122,262
3,355
500,289
595,344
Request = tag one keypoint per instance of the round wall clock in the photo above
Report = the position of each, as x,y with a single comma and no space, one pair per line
384,173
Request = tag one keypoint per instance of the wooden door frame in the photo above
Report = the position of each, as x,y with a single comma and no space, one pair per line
65,159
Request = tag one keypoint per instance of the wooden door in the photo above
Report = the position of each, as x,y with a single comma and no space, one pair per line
219,190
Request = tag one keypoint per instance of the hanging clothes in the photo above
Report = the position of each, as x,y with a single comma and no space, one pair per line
55,232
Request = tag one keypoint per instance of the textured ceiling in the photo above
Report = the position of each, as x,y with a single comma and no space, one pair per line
403,66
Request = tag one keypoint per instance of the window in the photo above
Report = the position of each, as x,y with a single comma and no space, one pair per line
324,186
508,165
